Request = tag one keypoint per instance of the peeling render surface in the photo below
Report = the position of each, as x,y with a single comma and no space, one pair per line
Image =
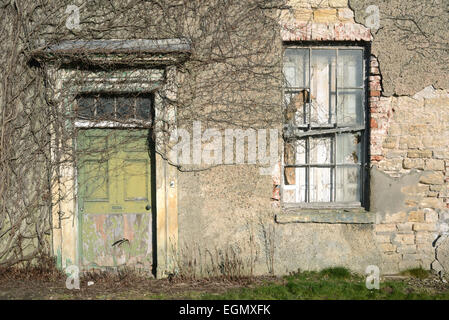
441,262
409,171
409,179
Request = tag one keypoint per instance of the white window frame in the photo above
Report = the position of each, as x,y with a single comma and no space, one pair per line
299,132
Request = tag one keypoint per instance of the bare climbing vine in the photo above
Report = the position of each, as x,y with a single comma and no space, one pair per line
230,79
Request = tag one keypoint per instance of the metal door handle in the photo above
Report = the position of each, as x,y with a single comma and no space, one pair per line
148,207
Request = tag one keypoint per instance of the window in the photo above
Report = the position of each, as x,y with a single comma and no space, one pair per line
113,107
324,129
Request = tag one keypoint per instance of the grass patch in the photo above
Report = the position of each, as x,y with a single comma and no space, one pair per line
336,273
419,273
329,284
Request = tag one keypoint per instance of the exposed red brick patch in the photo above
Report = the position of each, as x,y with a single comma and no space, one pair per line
376,158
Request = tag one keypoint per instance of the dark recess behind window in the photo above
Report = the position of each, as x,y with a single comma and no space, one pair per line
115,107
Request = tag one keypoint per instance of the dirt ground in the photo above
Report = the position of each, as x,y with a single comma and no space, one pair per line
128,286
52,286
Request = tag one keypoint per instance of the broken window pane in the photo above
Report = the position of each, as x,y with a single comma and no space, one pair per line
349,148
294,154
350,68
320,184
295,110
350,104
295,183
290,175
296,67
348,185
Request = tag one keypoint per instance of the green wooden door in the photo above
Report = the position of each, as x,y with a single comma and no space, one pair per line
114,198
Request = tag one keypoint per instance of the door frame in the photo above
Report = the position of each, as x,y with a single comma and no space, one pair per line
66,83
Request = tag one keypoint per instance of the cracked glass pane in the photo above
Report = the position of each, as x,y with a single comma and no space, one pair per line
349,147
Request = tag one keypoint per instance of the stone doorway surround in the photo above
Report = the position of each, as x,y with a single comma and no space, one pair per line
132,66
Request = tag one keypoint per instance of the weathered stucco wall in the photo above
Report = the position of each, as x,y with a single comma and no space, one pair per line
229,207
229,217
412,43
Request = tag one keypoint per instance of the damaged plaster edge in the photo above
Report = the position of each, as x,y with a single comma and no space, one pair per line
383,117
397,176
436,264
430,92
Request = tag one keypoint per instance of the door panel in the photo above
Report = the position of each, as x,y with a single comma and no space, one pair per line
97,190
114,197
135,184
101,231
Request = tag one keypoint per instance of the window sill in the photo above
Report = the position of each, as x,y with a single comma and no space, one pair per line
335,216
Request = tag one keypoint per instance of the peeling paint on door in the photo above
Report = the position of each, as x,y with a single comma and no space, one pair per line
111,240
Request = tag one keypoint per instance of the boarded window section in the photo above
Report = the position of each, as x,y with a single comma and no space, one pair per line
120,107
324,128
